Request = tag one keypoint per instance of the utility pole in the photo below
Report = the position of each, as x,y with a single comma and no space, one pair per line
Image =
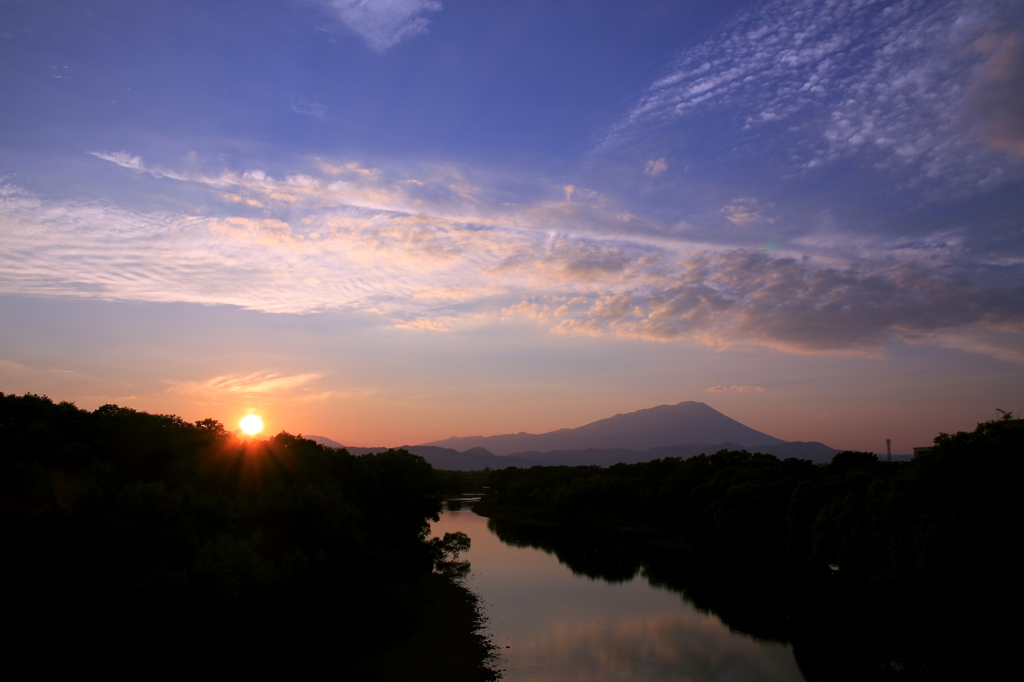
888,449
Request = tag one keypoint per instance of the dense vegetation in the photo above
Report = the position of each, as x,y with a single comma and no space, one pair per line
464,483
872,519
134,537
868,567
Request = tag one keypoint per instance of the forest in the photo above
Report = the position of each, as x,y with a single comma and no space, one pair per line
869,568
141,542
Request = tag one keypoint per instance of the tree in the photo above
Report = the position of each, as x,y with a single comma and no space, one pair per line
446,552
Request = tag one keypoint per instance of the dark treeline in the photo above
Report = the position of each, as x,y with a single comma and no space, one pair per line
133,537
925,550
464,483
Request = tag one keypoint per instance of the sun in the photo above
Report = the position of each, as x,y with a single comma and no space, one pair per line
251,424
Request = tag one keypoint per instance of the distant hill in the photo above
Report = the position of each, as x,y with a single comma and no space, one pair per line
476,459
816,452
323,440
663,426
473,459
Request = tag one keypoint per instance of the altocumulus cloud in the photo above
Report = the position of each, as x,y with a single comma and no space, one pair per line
896,85
432,252
383,23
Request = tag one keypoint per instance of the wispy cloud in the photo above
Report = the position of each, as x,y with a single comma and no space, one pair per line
311,109
433,252
122,159
246,385
383,23
261,382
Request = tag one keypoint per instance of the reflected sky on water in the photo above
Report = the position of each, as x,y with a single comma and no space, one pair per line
560,626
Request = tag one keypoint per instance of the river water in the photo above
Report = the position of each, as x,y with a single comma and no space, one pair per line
551,624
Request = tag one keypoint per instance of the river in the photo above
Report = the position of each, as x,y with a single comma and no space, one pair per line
552,624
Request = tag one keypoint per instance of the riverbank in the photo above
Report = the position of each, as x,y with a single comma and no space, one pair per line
446,643
624,532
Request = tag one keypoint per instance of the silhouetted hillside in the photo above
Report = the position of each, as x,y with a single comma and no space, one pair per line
476,459
326,442
663,426
815,452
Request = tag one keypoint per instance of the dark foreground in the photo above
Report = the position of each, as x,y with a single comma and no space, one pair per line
138,543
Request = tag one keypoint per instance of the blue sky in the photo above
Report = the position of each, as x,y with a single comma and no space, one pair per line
392,221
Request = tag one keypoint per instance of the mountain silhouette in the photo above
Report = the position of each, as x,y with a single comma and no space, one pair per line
682,430
324,440
687,423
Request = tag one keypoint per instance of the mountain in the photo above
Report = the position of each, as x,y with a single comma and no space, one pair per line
663,426
323,440
683,430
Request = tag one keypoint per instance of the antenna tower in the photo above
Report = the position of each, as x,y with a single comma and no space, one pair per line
888,449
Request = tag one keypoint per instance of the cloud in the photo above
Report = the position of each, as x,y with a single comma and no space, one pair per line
743,211
424,324
412,250
350,168
383,23
247,384
311,109
122,159
997,98
806,84
656,167
260,382
743,297
736,389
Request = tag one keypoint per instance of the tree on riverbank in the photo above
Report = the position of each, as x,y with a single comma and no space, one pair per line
133,537
875,521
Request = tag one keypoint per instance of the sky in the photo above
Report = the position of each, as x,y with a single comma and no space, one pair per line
394,221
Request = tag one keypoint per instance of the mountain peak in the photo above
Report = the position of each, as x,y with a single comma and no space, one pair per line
687,422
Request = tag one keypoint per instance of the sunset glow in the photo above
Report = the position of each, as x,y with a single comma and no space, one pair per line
251,424
817,234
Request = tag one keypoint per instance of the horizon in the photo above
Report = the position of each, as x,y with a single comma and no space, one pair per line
423,219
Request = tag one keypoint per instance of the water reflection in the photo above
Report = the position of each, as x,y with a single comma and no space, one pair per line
600,619
656,647
733,594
